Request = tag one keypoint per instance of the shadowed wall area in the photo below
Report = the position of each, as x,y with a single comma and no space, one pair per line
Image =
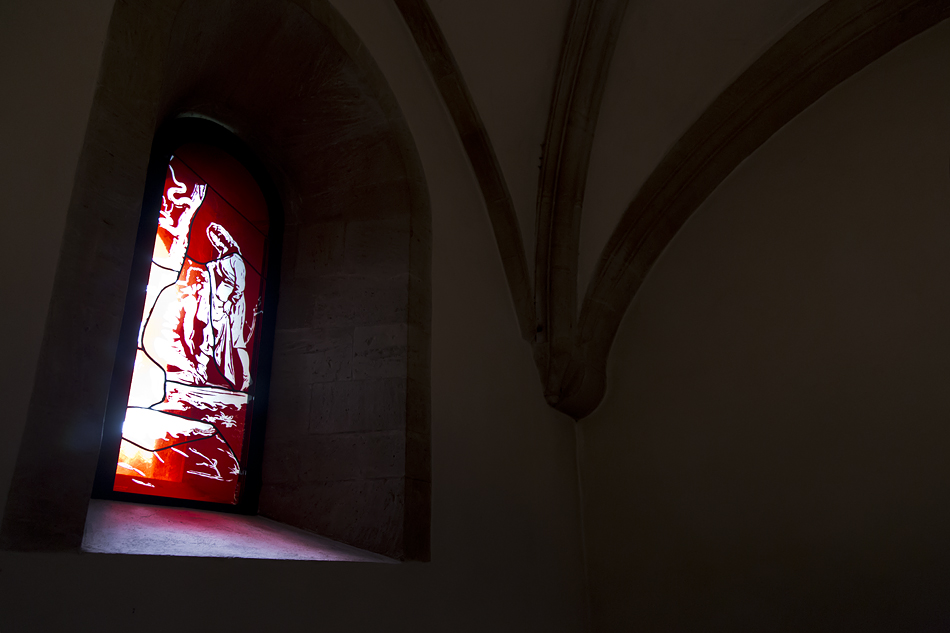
772,453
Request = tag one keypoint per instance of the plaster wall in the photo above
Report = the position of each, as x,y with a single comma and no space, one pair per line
505,543
673,58
772,450
508,53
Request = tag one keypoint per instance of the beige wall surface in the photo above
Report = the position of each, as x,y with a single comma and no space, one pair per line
673,59
506,550
772,453
508,52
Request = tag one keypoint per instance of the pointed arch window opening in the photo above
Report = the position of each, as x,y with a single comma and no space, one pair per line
185,416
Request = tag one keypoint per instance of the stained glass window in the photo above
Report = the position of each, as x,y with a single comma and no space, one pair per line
188,415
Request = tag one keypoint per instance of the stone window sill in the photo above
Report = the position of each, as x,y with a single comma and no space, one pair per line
114,527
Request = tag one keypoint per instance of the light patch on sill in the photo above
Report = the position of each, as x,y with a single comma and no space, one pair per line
115,527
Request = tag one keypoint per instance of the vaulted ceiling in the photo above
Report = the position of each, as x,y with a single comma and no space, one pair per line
596,127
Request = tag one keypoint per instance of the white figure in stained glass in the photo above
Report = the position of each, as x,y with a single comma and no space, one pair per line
228,309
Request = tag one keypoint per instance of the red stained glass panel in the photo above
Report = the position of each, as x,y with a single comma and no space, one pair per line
189,409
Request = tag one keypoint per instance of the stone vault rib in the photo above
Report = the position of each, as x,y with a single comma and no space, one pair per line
501,211
831,44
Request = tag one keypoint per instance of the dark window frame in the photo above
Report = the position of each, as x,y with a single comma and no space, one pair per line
170,136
